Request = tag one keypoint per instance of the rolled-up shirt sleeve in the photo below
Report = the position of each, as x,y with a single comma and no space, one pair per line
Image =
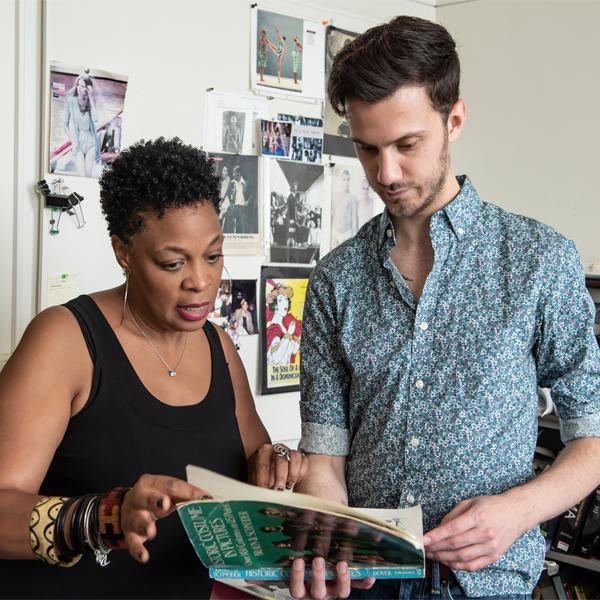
568,356
324,377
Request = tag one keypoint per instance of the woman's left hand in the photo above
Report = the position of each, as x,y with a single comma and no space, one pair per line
276,466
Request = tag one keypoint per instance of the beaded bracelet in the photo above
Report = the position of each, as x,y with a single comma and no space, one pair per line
109,518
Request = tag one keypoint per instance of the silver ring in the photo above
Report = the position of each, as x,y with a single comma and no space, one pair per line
281,450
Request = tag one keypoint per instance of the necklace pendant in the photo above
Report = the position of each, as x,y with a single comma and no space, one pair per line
172,373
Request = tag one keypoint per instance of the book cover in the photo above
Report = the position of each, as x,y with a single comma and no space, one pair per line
246,532
570,527
589,538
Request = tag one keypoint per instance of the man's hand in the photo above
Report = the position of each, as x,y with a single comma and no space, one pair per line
317,587
475,533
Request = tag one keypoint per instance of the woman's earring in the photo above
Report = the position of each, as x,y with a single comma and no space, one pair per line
230,282
126,275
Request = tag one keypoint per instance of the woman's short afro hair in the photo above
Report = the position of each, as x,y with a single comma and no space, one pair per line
153,176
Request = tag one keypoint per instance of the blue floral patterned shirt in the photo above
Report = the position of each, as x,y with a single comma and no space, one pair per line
435,401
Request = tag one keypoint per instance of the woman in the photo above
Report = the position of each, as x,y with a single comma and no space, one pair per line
297,50
283,329
244,318
80,125
125,387
261,53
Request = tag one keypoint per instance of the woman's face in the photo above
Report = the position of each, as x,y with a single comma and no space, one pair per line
176,264
225,172
244,305
283,304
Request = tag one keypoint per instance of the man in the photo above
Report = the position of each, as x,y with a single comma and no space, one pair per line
237,197
344,212
425,338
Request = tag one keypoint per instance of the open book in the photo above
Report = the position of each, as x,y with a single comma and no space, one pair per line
249,532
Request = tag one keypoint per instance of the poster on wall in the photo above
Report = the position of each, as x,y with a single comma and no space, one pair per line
337,131
353,202
307,138
230,122
235,308
239,209
86,119
296,199
282,294
286,55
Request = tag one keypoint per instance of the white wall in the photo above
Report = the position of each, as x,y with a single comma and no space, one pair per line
530,81
172,50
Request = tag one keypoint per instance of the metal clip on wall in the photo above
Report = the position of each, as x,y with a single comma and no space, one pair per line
59,199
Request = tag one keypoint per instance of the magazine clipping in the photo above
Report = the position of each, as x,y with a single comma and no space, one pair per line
86,119
296,206
286,55
283,291
307,138
239,211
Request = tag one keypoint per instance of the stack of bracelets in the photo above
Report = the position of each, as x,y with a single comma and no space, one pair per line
95,526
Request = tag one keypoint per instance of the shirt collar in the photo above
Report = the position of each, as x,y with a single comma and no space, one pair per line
461,213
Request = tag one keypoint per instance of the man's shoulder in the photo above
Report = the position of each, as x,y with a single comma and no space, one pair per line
521,229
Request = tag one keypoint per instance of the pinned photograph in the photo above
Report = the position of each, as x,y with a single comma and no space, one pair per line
353,202
283,290
337,131
86,119
233,131
279,50
235,308
286,55
307,138
239,209
275,137
296,192
231,122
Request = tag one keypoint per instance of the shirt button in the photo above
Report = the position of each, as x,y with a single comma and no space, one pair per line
424,326
419,384
414,442
410,498
388,232
460,231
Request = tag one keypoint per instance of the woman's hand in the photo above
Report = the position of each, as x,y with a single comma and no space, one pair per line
280,470
151,498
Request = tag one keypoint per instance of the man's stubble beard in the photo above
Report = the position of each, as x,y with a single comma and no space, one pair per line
433,188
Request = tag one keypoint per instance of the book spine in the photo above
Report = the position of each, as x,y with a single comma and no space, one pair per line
590,531
283,573
569,528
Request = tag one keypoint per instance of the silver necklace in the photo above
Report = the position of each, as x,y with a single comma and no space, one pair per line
172,372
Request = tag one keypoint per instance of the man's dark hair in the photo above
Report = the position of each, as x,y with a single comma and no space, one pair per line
153,176
405,51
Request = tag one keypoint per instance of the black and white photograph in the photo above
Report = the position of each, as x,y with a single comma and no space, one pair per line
233,131
337,131
307,138
235,308
230,122
239,209
296,200
353,202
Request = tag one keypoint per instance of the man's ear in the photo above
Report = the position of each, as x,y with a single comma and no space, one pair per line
456,119
122,252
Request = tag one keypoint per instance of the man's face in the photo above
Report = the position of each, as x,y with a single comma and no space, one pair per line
402,143
346,181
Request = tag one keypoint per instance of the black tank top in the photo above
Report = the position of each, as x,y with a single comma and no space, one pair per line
121,433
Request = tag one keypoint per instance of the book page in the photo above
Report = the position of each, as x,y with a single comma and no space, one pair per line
406,522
